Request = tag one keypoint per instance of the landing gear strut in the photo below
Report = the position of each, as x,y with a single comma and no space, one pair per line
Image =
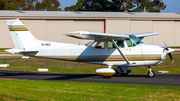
122,70
151,73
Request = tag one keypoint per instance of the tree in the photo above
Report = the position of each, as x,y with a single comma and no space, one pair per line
125,5
118,5
50,5
32,5
92,5
102,5
157,6
71,8
149,5
11,4
45,5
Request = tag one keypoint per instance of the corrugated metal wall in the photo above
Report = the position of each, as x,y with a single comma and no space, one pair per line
52,30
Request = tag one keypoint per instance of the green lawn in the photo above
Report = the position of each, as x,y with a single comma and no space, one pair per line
20,90
75,67
13,90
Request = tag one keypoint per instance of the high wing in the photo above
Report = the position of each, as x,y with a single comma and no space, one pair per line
96,35
142,35
106,36
100,36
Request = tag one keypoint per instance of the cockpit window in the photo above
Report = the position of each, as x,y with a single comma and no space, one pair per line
99,45
120,44
133,41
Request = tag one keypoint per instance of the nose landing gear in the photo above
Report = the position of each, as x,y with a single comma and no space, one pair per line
151,73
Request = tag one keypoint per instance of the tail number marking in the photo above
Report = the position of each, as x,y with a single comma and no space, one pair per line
45,44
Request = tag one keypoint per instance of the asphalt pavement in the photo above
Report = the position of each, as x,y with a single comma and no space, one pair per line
10,55
160,79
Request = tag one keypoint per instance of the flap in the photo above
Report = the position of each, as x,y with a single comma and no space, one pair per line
96,35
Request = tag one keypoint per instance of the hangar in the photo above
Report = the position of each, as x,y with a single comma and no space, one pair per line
50,25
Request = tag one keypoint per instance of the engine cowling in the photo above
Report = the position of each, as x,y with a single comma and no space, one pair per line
105,72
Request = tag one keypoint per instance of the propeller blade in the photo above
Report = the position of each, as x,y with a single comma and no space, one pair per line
165,44
171,57
167,48
169,52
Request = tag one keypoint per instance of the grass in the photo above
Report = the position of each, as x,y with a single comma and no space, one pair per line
53,65
174,47
20,90
75,67
57,91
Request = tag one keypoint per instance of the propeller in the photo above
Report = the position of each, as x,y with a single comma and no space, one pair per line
169,52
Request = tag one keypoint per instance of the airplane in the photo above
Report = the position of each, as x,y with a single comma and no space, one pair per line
121,50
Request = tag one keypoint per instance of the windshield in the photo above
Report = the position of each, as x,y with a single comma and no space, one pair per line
133,41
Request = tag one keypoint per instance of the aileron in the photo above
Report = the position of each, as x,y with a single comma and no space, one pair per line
142,35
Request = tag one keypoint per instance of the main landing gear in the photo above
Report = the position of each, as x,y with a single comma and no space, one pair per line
151,73
122,70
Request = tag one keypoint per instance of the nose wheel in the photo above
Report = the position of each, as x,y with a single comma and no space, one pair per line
151,73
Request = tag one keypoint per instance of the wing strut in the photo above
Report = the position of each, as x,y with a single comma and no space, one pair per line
120,51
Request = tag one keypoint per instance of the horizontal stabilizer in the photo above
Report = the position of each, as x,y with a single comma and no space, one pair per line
177,49
21,51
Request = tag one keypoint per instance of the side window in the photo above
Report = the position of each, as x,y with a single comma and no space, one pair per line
99,45
130,43
119,43
110,45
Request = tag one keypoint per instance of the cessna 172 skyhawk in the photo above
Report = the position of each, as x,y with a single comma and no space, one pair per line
109,49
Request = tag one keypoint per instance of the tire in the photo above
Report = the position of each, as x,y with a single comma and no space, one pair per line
151,75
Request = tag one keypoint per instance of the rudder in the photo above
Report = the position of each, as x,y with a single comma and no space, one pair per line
21,36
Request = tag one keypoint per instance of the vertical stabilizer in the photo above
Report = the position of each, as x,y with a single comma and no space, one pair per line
21,36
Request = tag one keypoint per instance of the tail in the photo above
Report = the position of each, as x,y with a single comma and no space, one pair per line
22,37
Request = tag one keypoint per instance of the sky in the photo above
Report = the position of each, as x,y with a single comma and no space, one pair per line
172,6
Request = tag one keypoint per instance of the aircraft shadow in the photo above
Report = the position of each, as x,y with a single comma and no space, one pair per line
131,75
57,76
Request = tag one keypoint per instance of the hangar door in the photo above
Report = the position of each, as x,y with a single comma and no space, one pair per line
55,29
5,39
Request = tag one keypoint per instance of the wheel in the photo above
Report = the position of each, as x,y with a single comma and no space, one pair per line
151,74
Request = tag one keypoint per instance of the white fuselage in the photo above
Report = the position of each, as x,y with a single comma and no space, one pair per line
140,55
107,49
